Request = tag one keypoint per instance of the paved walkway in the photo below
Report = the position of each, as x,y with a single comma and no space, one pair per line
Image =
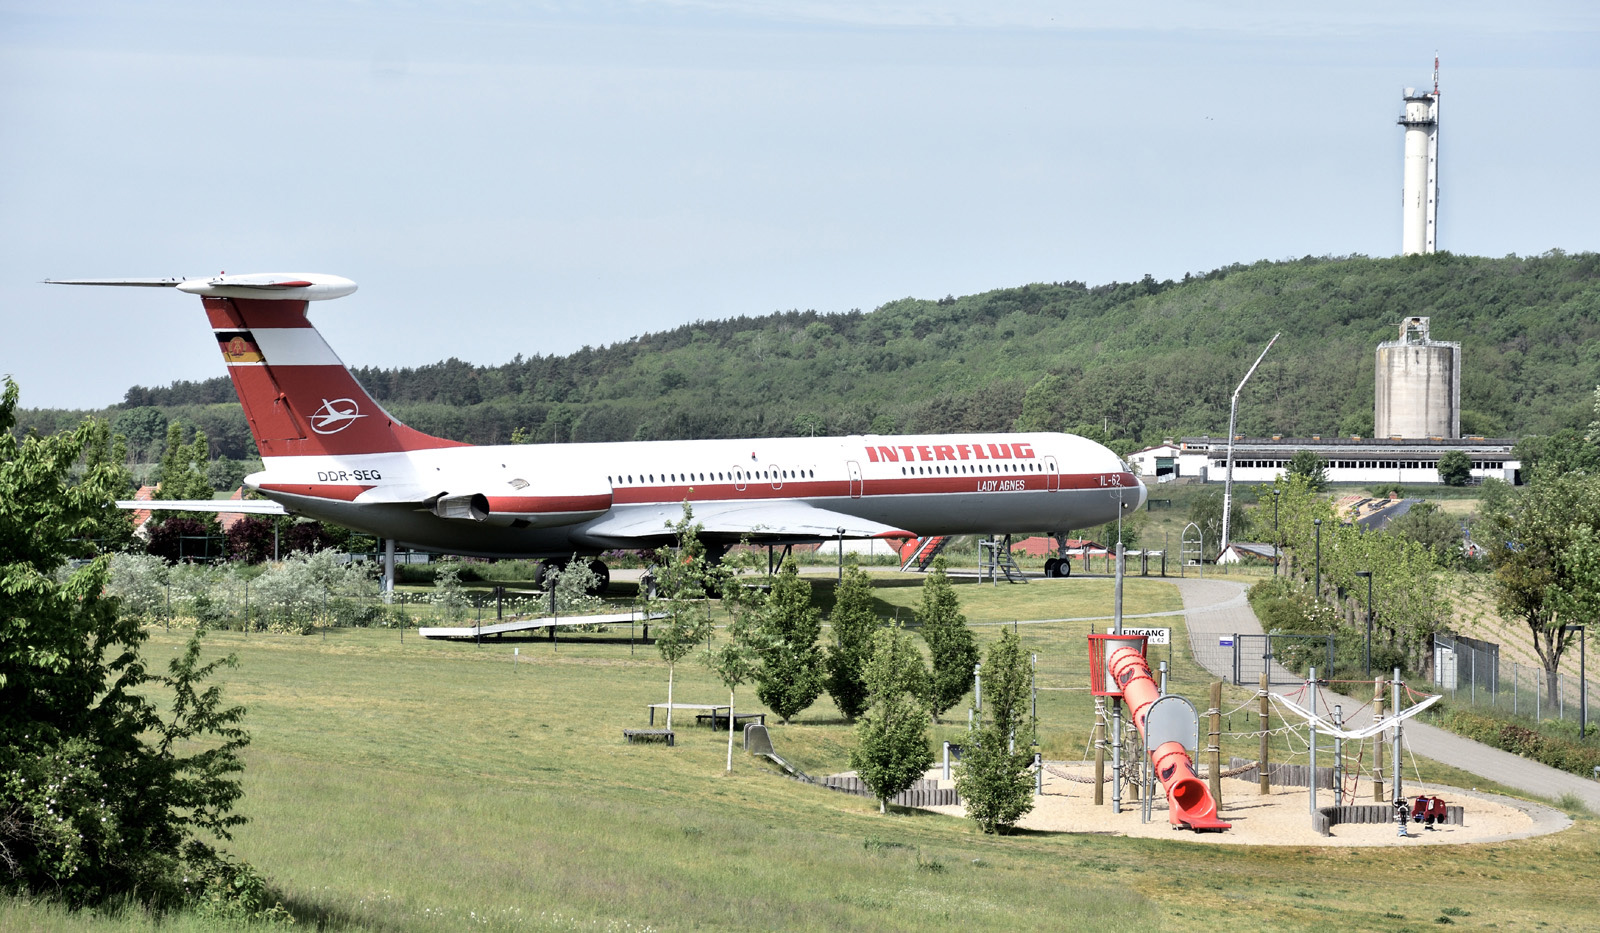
1216,608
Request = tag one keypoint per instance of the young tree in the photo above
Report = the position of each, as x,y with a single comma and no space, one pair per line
448,593
790,677
737,659
574,584
952,650
892,749
853,623
994,779
1455,468
101,799
1540,540
686,578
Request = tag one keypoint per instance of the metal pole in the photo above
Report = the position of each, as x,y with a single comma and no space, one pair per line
1317,592
1116,609
1312,685
1338,759
1394,707
1033,687
1116,752
1233,410
1214,741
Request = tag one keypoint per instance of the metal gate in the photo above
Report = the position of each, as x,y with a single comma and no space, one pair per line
1253,654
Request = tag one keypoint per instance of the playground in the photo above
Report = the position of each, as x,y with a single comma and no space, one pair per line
1280,818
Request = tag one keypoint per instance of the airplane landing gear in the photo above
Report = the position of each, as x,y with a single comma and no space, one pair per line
1057,567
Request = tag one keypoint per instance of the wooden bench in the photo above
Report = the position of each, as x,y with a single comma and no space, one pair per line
648,735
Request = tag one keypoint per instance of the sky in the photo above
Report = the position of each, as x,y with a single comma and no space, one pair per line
533,177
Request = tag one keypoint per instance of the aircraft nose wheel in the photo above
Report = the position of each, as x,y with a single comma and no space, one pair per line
602,577
1056,567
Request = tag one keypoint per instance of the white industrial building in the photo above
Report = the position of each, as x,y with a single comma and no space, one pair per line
1367,461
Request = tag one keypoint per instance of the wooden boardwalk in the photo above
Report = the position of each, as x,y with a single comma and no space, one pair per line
524,625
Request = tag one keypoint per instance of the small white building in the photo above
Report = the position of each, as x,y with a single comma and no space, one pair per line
1159,464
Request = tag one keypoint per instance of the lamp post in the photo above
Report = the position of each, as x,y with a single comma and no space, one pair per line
1277,549
1367,654
1227,484
1317,522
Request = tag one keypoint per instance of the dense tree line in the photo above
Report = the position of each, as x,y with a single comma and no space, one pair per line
1137,360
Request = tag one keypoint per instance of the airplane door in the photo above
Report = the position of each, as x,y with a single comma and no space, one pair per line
1052,474
855,479
738,477
777,477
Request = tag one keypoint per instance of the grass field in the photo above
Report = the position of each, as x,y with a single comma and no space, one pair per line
438,786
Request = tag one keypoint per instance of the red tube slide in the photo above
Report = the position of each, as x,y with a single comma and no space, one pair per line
1189,802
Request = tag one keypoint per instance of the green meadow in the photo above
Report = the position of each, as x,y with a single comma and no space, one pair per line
400,784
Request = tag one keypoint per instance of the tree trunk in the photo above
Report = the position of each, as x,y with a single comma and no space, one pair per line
669,696
730,731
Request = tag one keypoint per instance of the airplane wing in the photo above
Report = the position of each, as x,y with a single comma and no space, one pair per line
244,506
755,519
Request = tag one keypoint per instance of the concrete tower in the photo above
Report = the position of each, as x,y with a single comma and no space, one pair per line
1419,214
1418,392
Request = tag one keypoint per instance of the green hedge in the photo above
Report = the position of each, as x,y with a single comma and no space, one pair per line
1508,735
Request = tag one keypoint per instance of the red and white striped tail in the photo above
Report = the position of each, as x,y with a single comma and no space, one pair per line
298,396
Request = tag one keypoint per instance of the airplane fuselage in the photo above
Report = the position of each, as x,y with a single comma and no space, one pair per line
550,500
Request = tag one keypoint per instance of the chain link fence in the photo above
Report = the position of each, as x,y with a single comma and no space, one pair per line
1471,673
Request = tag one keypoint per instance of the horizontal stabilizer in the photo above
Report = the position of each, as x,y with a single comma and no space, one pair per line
288,286
239,506
137,283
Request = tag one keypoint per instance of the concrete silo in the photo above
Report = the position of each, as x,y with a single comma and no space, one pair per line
1418,392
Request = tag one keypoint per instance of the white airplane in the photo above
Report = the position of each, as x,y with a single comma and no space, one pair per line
330,452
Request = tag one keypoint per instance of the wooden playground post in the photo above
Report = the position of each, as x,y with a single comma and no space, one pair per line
1099,752
1266,737
1214,742
1377,762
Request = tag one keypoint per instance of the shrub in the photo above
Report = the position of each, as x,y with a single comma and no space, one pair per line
1544,744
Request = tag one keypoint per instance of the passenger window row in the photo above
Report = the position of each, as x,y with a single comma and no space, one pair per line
726,476
952,469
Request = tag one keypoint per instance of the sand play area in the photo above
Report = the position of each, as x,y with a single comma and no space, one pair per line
1282,818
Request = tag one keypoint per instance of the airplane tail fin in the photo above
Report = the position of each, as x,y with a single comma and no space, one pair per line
298,397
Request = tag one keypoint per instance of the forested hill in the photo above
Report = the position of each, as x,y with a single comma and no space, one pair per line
1145,359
